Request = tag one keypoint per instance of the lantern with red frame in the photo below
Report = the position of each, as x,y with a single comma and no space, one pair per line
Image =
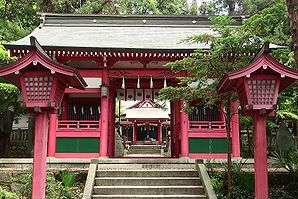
42,81
257,86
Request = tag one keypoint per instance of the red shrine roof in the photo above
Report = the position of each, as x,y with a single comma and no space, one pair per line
146,110
38,56
262,62
146,104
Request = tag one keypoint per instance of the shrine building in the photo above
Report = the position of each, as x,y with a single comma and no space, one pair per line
120,59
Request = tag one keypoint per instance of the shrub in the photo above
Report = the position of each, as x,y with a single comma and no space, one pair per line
7,194
54,188
67,178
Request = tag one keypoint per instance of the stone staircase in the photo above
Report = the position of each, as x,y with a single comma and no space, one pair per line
147,181
144,150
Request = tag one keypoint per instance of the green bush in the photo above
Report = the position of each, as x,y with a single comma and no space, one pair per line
67,178
54,188
4,194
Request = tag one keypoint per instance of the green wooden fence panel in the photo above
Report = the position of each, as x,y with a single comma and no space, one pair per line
77,145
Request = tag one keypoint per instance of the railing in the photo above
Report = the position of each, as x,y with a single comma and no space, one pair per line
78,125
207,125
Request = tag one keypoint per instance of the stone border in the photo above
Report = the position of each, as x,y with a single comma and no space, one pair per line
206,182
88,190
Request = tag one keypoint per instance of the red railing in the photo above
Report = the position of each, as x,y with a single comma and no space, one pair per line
78,125
207,125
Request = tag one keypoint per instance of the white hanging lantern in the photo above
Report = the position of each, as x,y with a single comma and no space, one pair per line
151,82
74,110
98,108
91,110
165,82
82,110
123,83
138,82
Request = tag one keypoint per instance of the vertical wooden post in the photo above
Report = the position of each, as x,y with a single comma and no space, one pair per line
184,132
40,156
177,128
260,157
111,122
172,129
52,134
135,132
235,129
103,152
158,132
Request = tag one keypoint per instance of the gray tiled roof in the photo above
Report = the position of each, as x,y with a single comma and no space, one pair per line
118,32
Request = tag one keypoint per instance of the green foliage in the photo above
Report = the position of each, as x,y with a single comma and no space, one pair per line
4,194
243,182
8,95
288,160
166,7
270,24
54,188
207,67
67,178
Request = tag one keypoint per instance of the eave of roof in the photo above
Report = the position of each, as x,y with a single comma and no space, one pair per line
38,54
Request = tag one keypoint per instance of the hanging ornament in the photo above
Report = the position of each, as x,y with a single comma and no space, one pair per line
151,82
123,83
165,82
74,110
91,110
82,110
141,128
138,82
98,108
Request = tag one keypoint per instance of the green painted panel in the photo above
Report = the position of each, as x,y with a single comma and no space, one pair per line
199,145
219,145
207,145
77,145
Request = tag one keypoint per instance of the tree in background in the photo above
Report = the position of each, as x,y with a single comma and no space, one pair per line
206,68
228,45
292,6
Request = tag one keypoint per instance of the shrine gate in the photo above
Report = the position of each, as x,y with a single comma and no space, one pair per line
124,57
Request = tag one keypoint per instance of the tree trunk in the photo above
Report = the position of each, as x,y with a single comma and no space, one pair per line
228,117
293,19
47,6
231,7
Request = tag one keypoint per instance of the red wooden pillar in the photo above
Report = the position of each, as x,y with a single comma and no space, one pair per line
235,130
135,132
40,156
172,129
184,131
112,122
103,152
177,129
158,132
52,134
260,157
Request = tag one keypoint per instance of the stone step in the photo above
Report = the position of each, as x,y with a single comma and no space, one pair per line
147,181
144,151
147,173
149,196
145,147
146,166
148,190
